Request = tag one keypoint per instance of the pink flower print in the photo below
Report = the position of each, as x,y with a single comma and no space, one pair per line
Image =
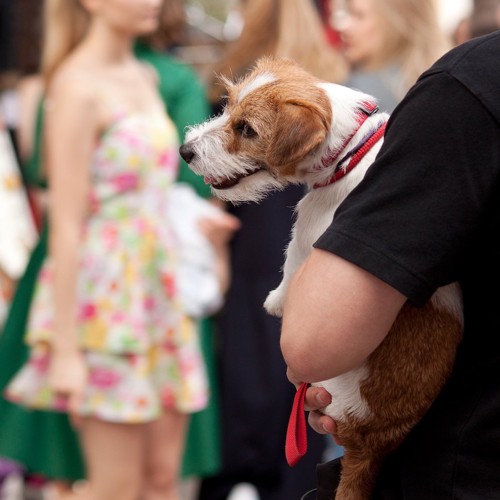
141,402
94,203
168,159
188,364
45,275
46,324
141,225
60,402
104,378
168,282
40,363
126,181
167,398
109,234
149,303
169,346
117,316
87,311
131,140
133,359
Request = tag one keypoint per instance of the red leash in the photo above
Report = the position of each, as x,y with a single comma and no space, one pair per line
296,433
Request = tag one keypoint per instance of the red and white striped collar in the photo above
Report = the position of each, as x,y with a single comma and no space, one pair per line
354,156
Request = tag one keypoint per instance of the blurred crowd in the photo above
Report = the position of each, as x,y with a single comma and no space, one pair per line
77,165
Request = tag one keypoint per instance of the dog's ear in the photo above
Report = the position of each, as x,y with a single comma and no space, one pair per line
300,127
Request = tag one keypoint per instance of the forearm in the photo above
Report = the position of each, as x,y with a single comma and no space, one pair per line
222,266
335,315
64,244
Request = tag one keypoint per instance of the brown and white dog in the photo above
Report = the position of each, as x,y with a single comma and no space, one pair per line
281,125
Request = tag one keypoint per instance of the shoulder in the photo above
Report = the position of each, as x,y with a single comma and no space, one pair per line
72,85
72,101
473,65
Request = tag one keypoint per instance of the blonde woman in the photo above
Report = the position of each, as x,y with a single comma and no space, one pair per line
389,43
109,343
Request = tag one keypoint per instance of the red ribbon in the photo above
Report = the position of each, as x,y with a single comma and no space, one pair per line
296,433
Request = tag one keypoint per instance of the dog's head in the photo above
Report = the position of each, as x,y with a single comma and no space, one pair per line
273,119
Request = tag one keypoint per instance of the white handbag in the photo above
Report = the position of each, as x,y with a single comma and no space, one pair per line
197,281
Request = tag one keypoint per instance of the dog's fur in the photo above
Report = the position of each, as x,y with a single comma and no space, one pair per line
277,127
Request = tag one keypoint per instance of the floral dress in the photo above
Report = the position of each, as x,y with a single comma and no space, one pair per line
141,349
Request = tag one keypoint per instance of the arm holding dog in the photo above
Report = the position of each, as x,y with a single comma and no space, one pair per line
347,310
423,218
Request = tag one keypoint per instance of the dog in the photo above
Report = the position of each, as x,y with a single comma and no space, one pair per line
281,125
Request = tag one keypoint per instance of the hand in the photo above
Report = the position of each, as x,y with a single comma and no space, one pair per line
219,230
317,398
68,377
7,285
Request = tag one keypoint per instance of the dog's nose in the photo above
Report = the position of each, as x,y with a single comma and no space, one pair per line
186,152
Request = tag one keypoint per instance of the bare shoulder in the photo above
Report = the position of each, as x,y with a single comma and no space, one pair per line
70,84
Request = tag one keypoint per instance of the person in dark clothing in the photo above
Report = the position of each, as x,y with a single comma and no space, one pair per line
426,214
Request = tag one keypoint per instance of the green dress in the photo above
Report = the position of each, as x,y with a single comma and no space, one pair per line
44,442
40,441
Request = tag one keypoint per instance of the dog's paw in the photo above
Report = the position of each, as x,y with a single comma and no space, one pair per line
274,303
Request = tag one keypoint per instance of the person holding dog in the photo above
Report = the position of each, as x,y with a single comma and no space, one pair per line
425,215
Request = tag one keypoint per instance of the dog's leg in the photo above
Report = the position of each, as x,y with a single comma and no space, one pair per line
275,299
359,473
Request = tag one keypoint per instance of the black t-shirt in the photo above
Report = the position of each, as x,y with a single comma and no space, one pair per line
427,214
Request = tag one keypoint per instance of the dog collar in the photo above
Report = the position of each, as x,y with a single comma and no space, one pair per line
354,155
365,110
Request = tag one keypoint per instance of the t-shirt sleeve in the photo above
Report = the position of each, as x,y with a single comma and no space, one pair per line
412,219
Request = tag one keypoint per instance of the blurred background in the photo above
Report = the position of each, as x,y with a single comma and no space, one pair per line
201,34
209,24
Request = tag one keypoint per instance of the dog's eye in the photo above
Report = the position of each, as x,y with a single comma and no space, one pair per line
245,130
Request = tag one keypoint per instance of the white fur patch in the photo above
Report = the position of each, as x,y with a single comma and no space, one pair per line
257,82
195,132
347,398
450,298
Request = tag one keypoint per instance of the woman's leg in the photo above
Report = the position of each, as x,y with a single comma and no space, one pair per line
164,448
60,490
114,455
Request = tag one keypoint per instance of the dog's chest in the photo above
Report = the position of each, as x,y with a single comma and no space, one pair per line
316,209
314,214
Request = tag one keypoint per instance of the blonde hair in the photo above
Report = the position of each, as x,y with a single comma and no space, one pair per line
65,22
413,36
285,28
